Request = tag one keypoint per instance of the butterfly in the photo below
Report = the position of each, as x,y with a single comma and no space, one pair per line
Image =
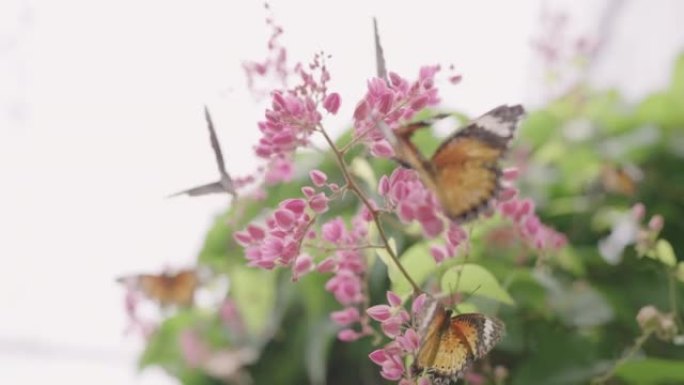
450,344
166,288
464,171
621,180
223,185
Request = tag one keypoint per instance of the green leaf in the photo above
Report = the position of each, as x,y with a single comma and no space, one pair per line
471,278
665,253
419,263
652,371
254,292
679,273
361,168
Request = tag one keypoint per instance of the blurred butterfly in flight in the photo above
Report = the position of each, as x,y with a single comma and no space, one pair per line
166,288
450,344
464,171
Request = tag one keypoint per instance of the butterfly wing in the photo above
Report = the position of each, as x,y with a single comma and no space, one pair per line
480,331
177,289
466,167
450,345
444,352
183,287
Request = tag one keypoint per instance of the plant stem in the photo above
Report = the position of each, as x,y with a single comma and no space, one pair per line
351,183
638,343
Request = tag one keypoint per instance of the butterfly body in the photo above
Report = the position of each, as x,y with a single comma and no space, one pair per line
450,344
464,171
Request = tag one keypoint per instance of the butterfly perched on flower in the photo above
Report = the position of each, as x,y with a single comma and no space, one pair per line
464,171
166,288
449,345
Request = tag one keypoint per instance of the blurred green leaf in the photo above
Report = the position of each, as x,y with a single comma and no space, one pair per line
652,371
254,293
418,261
665,253
474,279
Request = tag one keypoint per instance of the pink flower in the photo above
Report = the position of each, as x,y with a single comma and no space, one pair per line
327,265
380,312
319,203
348,335
193,349
346,316
318,177
332,231
303,265
332,103
393,299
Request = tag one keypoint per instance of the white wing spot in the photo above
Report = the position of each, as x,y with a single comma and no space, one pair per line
496,126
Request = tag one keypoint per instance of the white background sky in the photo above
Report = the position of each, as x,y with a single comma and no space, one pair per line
100,119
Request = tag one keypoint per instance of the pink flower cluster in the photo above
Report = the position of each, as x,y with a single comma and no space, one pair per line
349,267
529,227
280,243
394,102
395,324
407,195
272,68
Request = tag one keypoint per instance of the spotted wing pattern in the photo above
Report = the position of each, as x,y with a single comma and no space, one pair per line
464,172
449,345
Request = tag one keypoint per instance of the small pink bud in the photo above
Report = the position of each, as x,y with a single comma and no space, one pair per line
361,110
327,265
318,177
510,174
410,340
532,224
379,313
383,185
319,203
419,103
332,103
438,254
242,238
297,206
284,218
424,381
303,265
382,149
332,231
256,232
418,303
385,102
393,299
346,316
378,356
348,335
455,79
308,191
638,211
391,327
656,223
507,194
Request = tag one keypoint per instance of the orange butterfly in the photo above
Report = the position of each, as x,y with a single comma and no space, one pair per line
622,180
165,288
464,172
449,345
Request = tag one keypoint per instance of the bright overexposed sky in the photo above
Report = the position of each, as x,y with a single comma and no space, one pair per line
101,118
